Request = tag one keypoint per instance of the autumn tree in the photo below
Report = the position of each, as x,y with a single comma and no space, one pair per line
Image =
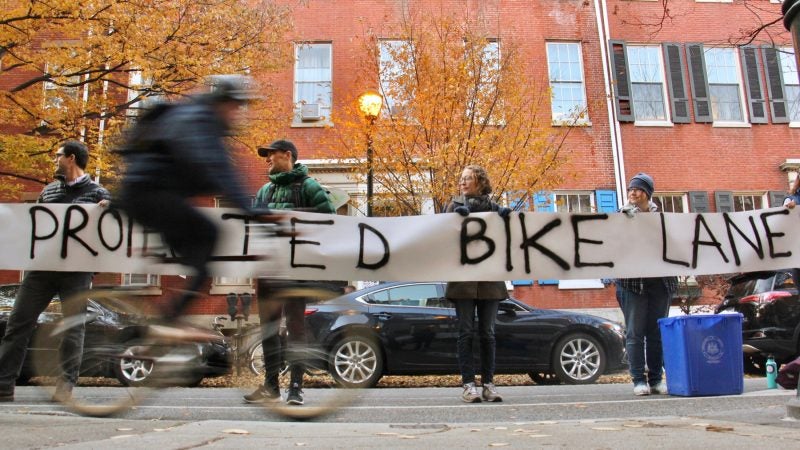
454,95
82,69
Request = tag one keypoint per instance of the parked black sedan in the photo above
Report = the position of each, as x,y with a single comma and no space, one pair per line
410,329
109,334
770,304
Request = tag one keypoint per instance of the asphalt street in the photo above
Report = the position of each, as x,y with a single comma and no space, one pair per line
593,416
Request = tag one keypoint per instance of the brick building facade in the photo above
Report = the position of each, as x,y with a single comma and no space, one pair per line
682,98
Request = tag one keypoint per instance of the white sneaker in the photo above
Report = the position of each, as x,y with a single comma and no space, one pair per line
641,389
471,394
660,388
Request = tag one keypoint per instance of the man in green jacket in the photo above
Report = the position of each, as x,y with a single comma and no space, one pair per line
291,188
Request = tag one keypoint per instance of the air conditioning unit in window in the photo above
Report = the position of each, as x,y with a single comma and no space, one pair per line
310,112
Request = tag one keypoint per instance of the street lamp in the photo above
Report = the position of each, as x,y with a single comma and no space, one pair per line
370,104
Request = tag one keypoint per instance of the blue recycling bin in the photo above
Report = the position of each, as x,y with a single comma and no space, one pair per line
703,354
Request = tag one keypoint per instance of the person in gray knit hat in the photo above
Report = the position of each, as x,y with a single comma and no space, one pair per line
643,301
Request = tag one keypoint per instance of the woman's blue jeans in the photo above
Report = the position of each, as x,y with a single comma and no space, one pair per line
642,335
487,313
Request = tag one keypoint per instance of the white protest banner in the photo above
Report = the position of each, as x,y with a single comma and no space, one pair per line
481,246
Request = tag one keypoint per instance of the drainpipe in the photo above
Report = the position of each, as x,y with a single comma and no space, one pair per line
601,14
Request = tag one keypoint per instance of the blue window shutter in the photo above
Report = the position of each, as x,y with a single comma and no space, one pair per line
519,201
545,202
522,282
606,201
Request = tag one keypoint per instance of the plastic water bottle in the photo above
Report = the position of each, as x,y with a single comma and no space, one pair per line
772,373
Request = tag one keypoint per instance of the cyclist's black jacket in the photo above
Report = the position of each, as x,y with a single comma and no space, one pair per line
182,150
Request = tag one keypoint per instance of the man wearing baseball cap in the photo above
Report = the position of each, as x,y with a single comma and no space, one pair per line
291,188
643,302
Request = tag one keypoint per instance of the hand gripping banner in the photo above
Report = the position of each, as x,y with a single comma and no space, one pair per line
479,247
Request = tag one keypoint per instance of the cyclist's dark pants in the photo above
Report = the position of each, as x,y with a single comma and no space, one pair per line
184,229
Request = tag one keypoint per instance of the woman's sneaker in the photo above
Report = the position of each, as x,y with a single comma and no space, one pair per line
490,394
262,395
295,395
660,388
641,389
471,394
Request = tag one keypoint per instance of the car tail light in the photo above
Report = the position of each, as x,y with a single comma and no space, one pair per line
765,298
310,311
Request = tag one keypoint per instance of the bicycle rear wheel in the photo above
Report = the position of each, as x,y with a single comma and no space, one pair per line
102,351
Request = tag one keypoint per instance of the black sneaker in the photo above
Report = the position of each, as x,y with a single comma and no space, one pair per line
262,395
295,395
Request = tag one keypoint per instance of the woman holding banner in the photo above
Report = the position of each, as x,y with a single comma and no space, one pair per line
481,296
643,302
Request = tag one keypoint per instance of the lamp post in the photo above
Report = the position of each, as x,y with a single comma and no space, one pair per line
370,104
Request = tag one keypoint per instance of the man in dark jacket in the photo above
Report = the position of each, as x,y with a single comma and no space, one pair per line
289,187
38,288
175,152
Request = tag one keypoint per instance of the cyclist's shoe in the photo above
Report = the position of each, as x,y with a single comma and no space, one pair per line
471,394
182,333
63,393
295,395
490,393
263,395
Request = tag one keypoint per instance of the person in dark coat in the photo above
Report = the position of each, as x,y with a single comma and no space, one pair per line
482,297
176,152
38,288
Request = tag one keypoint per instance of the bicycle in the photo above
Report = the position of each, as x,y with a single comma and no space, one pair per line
165,351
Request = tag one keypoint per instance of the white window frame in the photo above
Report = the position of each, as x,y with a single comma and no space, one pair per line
387,71
737,68
667,120
151,281
228,285
560,118
680,196
788,65
51,91
326,104
762,196
558,197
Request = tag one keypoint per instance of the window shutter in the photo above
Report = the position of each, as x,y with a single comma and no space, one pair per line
697,75
698,202
754,85
676,84
522,282
724,201
544,202
776,198
777,97
519,201
606,201
622,82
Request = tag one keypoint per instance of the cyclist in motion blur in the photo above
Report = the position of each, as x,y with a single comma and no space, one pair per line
176,152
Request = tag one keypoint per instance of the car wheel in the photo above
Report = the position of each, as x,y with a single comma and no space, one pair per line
544,378
578,358
131,371
356,362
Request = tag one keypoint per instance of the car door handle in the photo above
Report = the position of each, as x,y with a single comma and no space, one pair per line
383,316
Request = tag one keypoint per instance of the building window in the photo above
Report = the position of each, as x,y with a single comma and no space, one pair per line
140,279
574,202
722,69
790,82
747,202
566,82
670,203
313,95
58,94
647,83
392,53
